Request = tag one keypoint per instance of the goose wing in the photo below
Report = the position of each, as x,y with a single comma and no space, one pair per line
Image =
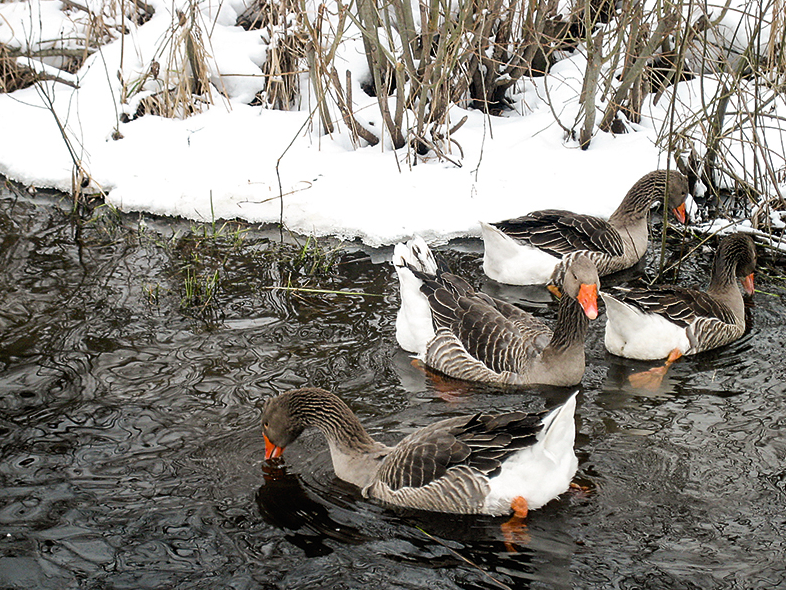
446,466
498,334
561,232
679,305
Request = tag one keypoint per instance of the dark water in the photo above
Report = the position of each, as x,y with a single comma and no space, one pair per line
130,395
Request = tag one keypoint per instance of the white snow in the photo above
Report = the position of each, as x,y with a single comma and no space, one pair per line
225,162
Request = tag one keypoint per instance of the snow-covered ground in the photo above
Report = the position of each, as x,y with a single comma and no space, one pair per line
225,162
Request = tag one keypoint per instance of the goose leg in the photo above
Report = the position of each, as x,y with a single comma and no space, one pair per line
652,379
515,530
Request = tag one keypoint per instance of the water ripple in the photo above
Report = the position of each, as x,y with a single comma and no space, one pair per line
132,457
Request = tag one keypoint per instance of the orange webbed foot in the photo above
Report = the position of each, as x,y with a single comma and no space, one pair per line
580,490
554,290
649,380
448,389
515,529
652,379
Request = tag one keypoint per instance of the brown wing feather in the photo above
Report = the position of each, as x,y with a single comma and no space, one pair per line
679,305
480,442
500,342
496,333
562,232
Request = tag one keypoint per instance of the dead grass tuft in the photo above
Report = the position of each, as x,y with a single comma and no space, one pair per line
177,82
13,76
281,30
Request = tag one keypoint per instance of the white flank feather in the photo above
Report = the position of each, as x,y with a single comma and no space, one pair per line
509,261
633,334
542,471
414,325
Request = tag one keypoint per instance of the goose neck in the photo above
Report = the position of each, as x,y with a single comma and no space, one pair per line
334,419
635,206
571,326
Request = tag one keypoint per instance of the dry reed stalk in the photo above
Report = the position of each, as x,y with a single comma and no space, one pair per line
66,54
589,88
282,69
12,75
285,29
183,79
776,47
282,30
731,131
323,38
382,65
664,28
468,50
344,103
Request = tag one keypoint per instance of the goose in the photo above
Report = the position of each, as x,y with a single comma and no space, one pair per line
475,464
665,321
537,248
472,336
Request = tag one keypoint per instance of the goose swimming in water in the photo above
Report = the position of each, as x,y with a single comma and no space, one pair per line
538,247
665,321
472,336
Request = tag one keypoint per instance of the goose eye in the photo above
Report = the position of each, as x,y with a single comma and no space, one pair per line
264,424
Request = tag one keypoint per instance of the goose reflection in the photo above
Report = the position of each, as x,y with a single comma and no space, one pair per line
284,503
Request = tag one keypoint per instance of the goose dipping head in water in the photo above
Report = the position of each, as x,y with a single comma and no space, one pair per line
474,464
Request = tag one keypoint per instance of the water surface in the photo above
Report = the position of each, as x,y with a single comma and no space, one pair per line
135,353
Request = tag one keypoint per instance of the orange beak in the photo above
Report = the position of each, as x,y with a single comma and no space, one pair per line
271,450
588,299
747,284
681,214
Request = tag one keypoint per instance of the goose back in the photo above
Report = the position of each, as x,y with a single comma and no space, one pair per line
498,334
559,232
447,466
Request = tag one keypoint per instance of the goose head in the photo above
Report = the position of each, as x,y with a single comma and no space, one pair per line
582,283
280,425
738,250
677,192
286,416
655,185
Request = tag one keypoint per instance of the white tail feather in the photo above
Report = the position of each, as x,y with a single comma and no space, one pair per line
559,428
414,326
509,261
542,471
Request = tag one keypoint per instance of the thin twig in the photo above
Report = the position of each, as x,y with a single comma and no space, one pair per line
464,559
278,172
323,291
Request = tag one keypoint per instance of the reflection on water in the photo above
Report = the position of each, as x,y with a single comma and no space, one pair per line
284,503
132,455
